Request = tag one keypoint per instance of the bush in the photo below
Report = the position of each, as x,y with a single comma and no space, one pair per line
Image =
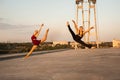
25,47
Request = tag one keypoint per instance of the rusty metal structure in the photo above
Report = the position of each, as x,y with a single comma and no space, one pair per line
86,16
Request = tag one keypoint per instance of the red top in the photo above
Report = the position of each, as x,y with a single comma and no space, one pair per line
34,40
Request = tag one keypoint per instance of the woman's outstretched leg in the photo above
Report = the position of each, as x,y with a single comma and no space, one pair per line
72,33
30,52
45,36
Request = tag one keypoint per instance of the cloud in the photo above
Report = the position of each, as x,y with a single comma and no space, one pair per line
7,26
1,19
4,26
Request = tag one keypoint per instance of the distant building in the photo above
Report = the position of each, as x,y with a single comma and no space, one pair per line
60,42
73,44
116,43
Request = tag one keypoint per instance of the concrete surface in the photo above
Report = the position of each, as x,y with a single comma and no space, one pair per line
81,64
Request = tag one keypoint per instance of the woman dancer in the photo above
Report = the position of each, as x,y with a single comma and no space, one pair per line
35,41
80,33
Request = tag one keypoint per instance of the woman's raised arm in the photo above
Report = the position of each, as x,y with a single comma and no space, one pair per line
88,30
76,26
39,30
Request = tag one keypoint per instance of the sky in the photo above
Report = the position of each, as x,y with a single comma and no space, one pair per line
19,19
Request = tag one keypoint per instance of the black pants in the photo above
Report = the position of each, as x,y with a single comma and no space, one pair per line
77,38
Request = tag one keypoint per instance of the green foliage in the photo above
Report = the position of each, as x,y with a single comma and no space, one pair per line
25,47
14,47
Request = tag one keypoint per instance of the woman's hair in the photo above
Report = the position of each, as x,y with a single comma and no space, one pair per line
36,31
81,27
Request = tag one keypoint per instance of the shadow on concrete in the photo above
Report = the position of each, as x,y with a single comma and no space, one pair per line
34,53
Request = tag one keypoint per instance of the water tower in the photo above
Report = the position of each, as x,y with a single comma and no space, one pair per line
86,16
